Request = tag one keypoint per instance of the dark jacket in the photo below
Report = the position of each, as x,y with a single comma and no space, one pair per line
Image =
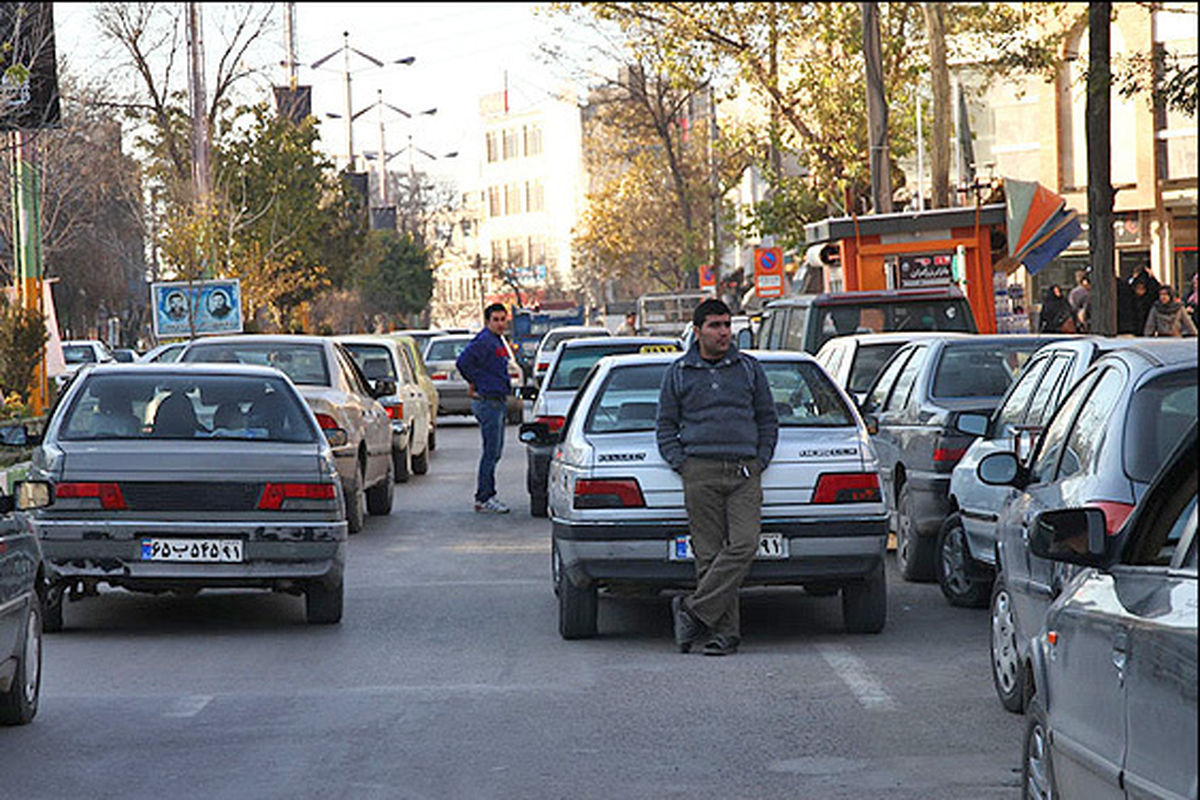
722,410
484,363
1055,312
1169,319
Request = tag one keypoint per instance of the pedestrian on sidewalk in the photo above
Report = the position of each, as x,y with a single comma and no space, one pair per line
717,427
1168,317
484,364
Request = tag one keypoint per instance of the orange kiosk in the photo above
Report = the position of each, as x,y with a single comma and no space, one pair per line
914,249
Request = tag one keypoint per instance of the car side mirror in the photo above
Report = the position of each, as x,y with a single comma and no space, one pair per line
537,433
872,423
1071,536
972,424
529,392
1002,469
31,494
383,388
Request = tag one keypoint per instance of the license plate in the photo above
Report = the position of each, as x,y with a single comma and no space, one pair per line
770,546
196,550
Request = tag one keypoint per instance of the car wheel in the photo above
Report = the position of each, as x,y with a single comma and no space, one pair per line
1007,674
20,703
914,555
356,503
539,505
1037,767
323,603
432,437
381,495
960,577
864,603
420,464
577,608
402,465
52,608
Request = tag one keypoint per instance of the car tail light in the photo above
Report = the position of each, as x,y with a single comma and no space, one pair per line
333,432
609,493
109,494
275,493
543,366
948,455
553,423
1115,514
439,376
395,411
847,487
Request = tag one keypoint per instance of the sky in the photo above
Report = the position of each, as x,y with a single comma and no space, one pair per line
462,51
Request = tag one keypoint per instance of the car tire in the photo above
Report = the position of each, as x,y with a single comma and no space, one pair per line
864,603
514,416
432,438
356,503
914,555
1008,674
539,505
402,464
323,603
555,568
19,704
52,608
1037,765
420,464
960,577
577,609
381,495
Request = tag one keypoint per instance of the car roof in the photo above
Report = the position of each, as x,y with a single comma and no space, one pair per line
188,368
609,341
1159,352
901,337
265,338
451,337
365,338
626,359
576,329
875,296
81,341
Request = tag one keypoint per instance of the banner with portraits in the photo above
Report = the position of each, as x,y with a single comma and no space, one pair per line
196,308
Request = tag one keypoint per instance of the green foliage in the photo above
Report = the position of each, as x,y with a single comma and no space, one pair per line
396,279
22,337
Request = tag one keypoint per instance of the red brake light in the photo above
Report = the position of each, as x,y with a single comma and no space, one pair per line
1115,514
275,493
439,376
395,412
327,422
847,487
543,365
333,432
618,493
109,494
949,454
553,423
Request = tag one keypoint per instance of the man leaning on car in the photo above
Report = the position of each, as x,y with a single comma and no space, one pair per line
717,426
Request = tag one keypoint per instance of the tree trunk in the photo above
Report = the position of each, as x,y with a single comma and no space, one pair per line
881,179
1099,156
935,26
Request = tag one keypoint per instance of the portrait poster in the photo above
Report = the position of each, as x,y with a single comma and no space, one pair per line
196,308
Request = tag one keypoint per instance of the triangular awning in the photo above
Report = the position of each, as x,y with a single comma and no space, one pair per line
1040,226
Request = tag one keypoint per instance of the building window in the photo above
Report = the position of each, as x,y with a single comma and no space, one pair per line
497,252
533,139
492,146
511,144
516,254
512,198
495,201
537,251
535,196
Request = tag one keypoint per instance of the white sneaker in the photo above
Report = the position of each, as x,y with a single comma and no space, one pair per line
492,506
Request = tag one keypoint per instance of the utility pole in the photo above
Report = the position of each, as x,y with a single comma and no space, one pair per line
349,110
881,178
1098,114
920,154
383,180
199,103
289,26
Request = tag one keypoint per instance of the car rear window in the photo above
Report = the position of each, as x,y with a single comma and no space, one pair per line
949,314
446,349
375,360
78,354
628,400
303,363
868,361
187,407
804,396
575,362
1160,414
981,369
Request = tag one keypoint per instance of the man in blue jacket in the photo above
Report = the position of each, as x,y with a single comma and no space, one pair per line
484,363
717,426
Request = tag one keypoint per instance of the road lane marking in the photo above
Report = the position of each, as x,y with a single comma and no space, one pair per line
854,673
189,706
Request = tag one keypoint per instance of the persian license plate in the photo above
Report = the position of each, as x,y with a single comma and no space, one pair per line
770,546
196,550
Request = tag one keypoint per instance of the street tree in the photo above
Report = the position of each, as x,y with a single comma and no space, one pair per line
397,281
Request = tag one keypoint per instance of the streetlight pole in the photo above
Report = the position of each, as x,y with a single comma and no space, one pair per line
383,179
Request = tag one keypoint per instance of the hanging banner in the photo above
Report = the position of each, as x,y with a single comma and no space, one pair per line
183,309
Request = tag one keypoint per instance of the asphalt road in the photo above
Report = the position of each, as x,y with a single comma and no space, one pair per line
447,679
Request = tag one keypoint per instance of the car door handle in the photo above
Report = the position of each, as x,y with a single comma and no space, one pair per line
1120,652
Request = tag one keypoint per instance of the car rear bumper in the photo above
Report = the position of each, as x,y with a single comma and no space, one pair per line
453,400
841,550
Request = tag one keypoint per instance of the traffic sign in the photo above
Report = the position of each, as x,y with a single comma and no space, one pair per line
768,271
708,277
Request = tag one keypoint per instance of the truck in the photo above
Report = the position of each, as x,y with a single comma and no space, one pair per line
529,325
668,313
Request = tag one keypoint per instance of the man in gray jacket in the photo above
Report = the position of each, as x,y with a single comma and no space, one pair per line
717,426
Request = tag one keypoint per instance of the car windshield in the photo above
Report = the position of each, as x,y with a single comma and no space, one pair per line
804,396
78,354
628,400
446,349
554,338
575,362
868,361
950,314
1160,414
303,363
373,359
187,407
981,369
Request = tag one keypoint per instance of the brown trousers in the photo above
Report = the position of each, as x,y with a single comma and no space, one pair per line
724,508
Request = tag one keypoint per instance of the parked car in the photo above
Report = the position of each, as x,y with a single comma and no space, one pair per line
344,402
422,335
1101,449
79,353
966,544
180,477
165,353
22,578
381,358
1113,712
617,509
741,325
912,408
412,354
569,365
806,321
855,361
442,352
553,338
124,355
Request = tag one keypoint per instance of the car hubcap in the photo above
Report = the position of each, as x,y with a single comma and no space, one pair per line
954,563
1004,644
1037,762
33,656
555,567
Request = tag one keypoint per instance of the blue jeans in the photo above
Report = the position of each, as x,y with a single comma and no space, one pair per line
490,412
